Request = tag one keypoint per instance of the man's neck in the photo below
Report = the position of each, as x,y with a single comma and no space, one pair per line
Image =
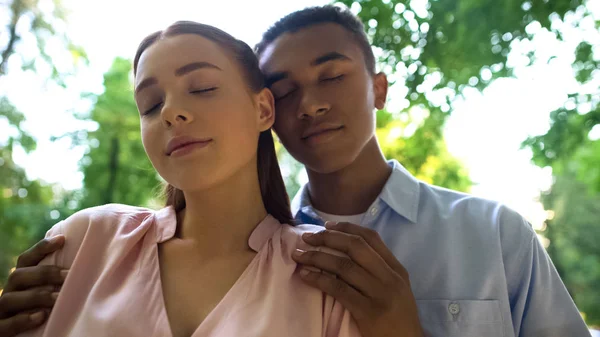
221,219
352,189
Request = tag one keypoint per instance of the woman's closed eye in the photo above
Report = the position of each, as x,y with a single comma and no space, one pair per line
152,109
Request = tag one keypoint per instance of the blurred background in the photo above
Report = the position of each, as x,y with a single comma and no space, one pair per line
497,98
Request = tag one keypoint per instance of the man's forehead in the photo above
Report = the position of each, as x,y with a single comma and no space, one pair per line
300,48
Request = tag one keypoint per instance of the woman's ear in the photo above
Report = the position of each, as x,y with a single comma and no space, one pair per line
266,109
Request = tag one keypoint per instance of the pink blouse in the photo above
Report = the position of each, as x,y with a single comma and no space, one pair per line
114,287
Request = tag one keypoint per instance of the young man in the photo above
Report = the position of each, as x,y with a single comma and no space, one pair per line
475,267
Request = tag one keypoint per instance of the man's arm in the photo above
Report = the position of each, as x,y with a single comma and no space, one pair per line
540,302
31,290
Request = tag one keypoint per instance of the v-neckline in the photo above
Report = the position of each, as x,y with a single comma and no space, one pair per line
221,303
166,223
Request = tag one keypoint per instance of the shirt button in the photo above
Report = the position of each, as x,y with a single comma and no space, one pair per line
454,308
373,210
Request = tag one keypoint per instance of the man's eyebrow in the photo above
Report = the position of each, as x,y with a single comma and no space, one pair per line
271,79
194,66
332,56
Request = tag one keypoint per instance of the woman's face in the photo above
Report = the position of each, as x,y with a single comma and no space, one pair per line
200,121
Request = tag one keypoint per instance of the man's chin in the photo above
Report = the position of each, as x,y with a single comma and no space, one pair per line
328,164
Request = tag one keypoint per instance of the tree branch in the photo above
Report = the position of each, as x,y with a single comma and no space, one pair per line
16,9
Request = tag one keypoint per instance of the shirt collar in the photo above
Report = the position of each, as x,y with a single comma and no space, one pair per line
400,193
166,224
263,232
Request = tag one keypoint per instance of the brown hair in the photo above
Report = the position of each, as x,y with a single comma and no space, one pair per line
272,188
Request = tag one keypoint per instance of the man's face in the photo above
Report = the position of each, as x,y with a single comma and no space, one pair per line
324,95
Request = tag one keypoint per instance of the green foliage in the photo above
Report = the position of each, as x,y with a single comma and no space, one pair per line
437,48
574,233
460,39
572,123
574,199
15,118
27,207
423,153
24,209
41,26
574,230
116,168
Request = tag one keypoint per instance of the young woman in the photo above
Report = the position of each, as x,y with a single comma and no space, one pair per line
217,261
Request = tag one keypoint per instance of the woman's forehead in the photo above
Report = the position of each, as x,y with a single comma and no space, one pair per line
173,52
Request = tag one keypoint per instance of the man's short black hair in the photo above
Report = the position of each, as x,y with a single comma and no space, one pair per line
317,15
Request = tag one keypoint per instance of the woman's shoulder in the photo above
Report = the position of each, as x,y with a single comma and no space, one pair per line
291,237
299,229
108,216
98,226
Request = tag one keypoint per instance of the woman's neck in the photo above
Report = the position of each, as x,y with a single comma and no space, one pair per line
220,219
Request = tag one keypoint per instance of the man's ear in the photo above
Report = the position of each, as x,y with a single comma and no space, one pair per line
380,88
266,109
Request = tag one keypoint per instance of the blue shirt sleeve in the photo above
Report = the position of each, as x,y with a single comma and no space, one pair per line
540,303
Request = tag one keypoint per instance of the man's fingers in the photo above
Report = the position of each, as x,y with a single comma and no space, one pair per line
355,247
19,301
342,266
374,240
35,254
12,326
27,277
349,297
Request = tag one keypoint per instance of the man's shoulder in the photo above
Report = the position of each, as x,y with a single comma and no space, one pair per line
446,207
447,201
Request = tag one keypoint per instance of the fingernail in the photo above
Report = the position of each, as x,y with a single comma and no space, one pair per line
329,224
298,253
304,272
54,295
307,235
37,317
64,273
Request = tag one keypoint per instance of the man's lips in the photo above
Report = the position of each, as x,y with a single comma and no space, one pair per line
320,129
